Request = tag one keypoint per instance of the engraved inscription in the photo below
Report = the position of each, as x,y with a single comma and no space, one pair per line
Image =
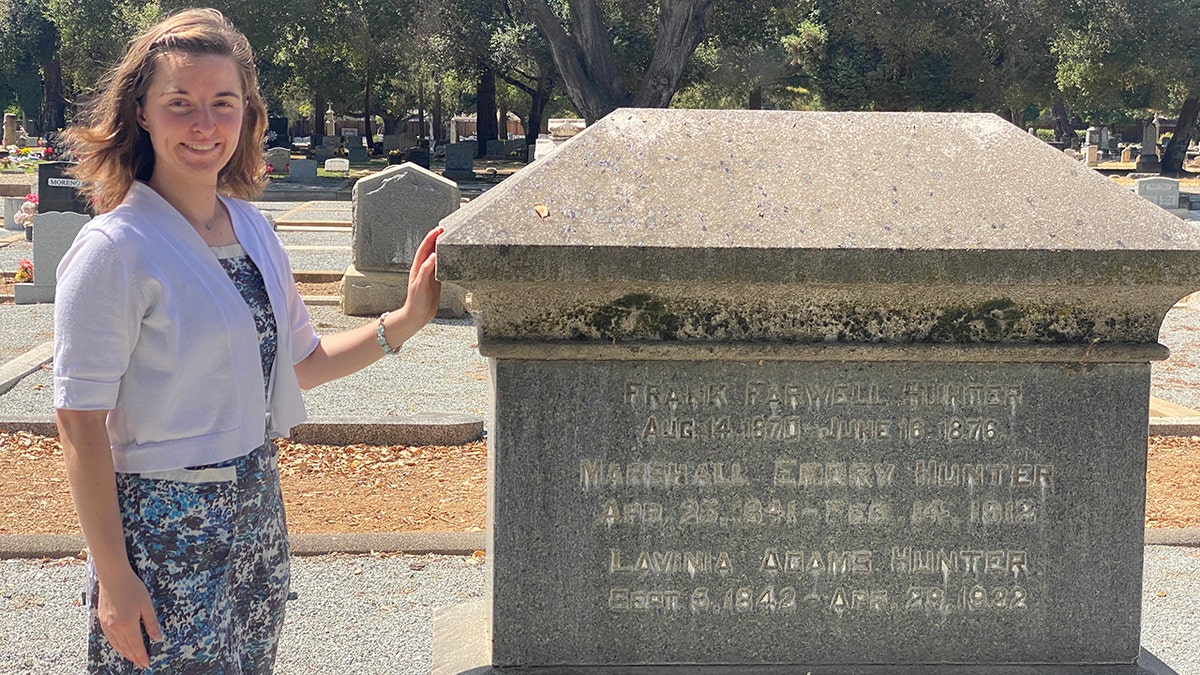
846,495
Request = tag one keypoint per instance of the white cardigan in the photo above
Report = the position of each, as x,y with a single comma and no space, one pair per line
148,326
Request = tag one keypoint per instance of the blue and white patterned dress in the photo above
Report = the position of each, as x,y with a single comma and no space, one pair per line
210,543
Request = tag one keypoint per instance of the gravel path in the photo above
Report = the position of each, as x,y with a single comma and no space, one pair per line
350,614
368,616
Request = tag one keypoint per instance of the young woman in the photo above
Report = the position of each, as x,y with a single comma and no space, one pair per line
181,350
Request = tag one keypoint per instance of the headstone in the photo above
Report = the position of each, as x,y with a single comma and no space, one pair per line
460,161
10,129
53,234
1092,153
11,206
496,149
745,424
1092,136
417,155
1127,154
279,159
303,168
391,142
1147,161
357,154
544,146
337,164
277,131
392,211
1160,190
58,191
516,147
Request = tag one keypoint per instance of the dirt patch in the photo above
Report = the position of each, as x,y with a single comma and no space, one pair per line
362,488
326,489
307,288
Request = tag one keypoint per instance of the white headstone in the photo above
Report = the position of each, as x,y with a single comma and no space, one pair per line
278,159
337,164
392,212
53,234
1160,190
303,168
11,206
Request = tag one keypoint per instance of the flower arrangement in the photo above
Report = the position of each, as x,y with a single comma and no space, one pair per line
28,210
24,271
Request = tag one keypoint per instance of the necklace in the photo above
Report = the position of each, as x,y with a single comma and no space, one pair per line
212,222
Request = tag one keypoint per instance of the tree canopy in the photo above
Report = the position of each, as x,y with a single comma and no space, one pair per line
1107,61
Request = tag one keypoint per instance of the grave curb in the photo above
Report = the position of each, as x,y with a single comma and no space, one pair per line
420,429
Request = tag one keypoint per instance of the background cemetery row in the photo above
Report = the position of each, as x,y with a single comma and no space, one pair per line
408,67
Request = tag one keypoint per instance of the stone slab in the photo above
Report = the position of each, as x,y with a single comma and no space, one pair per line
303,168
30,294
849,250
718,510
369,293
12,372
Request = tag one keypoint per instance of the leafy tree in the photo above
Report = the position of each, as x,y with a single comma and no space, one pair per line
954,55
32,39
1110,65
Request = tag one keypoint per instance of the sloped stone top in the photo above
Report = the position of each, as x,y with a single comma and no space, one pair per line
875,212
761,179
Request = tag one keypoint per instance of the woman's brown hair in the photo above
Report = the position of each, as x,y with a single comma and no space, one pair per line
114,150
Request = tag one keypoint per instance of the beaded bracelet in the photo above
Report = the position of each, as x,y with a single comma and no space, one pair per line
387,349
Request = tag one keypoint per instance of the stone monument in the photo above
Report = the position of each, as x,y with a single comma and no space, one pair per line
780,413
278,159
1147,160
54,233
1161,191
10,129
460,161
391,212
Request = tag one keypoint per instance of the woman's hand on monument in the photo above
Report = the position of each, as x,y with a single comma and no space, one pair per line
424,290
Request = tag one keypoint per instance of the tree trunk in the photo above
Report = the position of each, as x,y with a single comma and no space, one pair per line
1185,131
437,110
680,29
53,115
502,124
538,101
485,109
591,86
318,116
755,102
1063,131
367,106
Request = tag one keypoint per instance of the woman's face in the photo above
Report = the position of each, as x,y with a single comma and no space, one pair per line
192,109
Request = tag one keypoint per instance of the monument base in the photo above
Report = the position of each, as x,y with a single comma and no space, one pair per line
368,293
31,293
461,646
